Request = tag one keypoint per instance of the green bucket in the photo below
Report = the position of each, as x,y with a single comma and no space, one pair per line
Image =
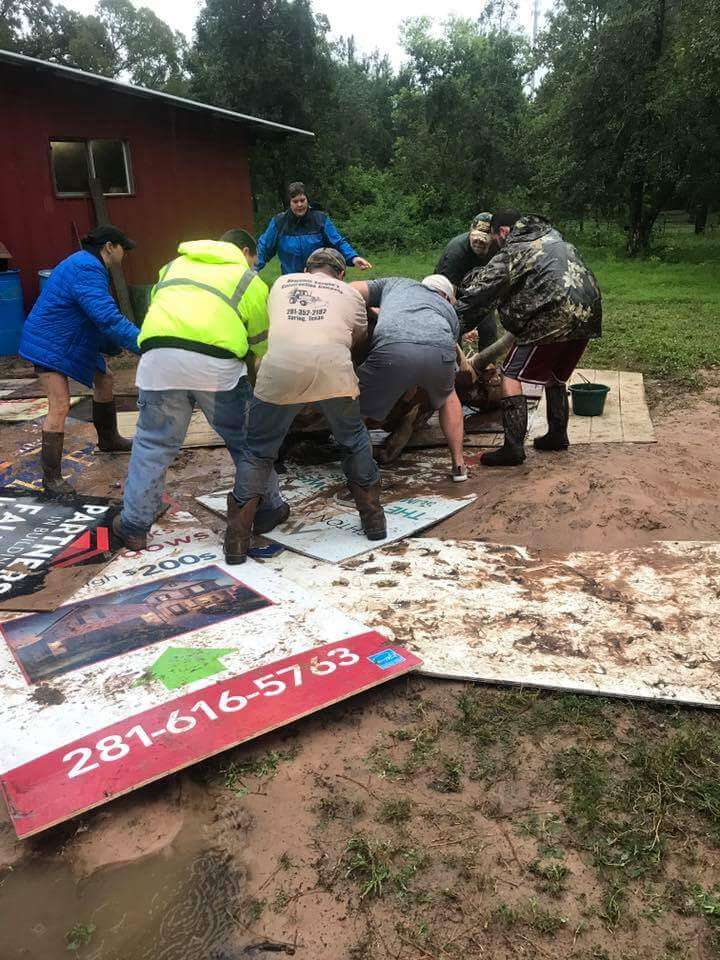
588,399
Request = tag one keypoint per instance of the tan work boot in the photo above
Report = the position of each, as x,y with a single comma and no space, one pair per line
372,515
133,541
238,533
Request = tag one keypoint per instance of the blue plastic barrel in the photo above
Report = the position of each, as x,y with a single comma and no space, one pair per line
12,312
44,276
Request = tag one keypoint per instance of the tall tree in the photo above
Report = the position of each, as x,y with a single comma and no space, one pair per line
460,114
145,48
270,58
618,114
39,28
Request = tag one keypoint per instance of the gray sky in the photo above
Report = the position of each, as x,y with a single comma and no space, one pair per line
374,23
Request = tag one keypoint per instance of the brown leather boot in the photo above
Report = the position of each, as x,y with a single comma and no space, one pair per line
105,420
372,515
133,541
51,462
238,533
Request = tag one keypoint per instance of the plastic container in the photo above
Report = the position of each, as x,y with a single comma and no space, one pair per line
44,276
588,399
12,312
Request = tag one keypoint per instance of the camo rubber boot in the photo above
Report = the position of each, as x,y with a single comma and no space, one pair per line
515,419
558,414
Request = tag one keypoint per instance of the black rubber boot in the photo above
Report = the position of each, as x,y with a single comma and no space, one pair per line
558,413
238,533
512,452
372,515
105,420
51,462
270,519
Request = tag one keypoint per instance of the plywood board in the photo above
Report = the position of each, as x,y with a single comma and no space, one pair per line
18,411
10,387
167,658
640,622
42,543
338,536
199,434
625,419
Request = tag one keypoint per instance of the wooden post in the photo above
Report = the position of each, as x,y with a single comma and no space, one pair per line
118,277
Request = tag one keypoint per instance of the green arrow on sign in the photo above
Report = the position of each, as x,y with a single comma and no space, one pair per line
178,666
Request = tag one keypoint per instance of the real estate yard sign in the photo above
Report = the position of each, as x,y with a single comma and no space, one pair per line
167,658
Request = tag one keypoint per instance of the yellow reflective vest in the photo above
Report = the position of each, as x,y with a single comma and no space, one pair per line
207,300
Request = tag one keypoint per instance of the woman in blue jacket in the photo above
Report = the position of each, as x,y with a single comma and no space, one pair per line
72,320
298,232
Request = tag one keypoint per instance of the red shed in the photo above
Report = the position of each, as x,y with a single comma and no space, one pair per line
172,169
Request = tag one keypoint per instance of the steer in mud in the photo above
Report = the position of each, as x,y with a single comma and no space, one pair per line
477,383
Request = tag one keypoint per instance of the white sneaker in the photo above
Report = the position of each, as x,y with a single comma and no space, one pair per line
459,474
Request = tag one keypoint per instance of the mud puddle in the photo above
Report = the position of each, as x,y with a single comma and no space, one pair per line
180,904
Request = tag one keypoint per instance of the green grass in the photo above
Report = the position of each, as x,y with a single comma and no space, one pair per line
661,314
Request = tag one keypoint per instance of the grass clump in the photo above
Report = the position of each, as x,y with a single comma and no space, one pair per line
79,935
395,810
376,865
450,779
551,876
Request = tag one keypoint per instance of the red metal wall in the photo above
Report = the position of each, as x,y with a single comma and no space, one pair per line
190,173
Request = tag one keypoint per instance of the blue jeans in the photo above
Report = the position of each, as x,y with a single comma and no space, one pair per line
268,426
161,428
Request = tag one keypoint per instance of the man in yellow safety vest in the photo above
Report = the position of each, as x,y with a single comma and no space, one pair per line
208,310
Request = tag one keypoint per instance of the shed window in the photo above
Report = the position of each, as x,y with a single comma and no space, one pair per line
74,161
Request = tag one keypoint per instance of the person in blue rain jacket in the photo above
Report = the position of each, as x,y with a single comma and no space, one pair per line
297,232
74,321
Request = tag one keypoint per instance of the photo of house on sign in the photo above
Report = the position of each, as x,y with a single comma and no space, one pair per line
47,645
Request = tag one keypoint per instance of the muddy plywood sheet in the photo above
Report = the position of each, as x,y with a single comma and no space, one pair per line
168,657
49,547
632,623
199,433
12,387
625,419
17,411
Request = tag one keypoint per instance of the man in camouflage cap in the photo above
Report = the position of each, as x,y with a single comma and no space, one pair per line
315,317
464,253
550,301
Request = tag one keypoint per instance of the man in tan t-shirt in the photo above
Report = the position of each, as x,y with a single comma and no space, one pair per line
315,317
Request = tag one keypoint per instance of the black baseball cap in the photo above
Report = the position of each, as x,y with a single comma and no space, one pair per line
107,233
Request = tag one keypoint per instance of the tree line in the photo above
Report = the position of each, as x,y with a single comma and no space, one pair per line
613,115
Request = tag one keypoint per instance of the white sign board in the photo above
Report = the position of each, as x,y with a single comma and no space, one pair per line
335,537
169,657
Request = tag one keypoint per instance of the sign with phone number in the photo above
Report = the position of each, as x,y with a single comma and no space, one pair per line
149,745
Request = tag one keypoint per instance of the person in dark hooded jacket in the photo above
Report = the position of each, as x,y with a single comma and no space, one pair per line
550,301
463,254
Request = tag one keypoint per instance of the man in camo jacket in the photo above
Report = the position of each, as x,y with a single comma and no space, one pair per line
550,301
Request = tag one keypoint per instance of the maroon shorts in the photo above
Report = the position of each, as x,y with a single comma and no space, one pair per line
543,362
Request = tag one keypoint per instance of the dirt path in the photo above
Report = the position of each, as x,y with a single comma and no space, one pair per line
427,819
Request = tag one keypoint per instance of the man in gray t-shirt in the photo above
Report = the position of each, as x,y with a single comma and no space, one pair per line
413,345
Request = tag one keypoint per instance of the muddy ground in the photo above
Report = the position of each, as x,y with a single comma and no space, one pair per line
426,819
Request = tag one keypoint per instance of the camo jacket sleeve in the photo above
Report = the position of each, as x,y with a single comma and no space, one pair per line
487,285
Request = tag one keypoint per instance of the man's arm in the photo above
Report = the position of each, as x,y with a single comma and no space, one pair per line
486,286
267,245
93,296
254,313
370,290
